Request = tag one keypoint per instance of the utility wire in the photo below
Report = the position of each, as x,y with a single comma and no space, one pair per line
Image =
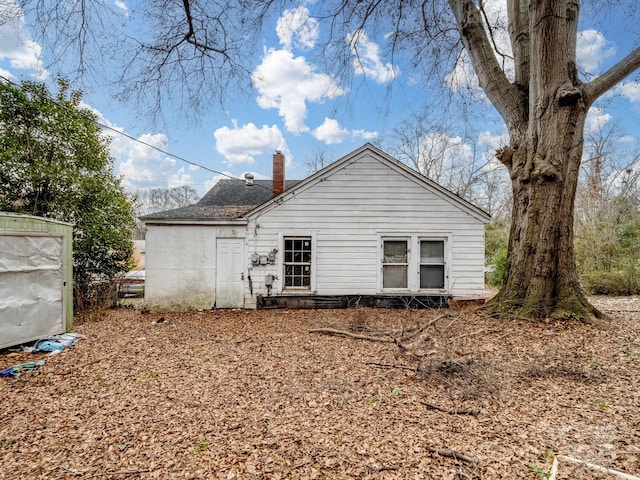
177,157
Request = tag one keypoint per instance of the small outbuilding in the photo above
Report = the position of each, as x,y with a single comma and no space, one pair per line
365,230
36,278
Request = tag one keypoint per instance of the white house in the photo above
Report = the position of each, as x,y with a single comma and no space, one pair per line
366,229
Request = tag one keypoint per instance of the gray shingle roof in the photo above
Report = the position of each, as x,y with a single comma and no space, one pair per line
229,198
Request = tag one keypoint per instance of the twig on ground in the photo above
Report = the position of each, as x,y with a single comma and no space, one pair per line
445,452
453,411
333,331
122,472
82,365
597,468
388,365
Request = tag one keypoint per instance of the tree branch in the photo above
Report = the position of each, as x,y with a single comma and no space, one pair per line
518,14
505,97
611,77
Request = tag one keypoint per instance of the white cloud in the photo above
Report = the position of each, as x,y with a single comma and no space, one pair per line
142,166
122,6
367,60
330,132
296,28
492,143
145,167
6,74
596,119
287,83
241,144
592,49
492,140
179,178
17,46
364,134
630,90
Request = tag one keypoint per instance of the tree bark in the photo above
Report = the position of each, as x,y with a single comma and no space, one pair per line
541,277
544,109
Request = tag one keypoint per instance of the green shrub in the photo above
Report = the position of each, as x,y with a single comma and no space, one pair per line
623,282
495,276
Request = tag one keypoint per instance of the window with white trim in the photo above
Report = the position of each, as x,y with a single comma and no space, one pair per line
412,263
395,263
297,262
432,264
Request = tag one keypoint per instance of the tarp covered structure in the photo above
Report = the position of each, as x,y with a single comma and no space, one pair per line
35,278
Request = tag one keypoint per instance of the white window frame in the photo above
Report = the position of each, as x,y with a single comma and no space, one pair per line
445,262
281,263
413,239
406,239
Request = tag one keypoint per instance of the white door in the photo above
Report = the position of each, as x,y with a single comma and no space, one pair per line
230,273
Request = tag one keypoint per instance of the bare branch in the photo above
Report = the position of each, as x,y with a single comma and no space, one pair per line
611,77
508,100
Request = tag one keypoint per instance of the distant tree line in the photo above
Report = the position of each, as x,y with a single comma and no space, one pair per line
154,200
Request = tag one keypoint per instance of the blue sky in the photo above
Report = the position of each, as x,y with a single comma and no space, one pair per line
297,107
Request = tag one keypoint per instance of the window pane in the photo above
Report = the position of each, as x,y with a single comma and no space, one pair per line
297,262
432,252
395,251
394,276
431,276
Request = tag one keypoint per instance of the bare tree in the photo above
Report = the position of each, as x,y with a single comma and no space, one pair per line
202,47
606,202
319,157
153,200
458,164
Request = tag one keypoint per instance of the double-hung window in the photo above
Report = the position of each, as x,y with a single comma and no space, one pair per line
297,262
432,264
413,263
395,264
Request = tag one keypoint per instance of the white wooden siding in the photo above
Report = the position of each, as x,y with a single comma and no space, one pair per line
349,210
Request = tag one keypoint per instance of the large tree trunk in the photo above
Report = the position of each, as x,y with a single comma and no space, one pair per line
544,108
544,161
541,277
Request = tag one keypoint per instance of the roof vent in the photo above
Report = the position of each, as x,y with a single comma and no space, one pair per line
248,178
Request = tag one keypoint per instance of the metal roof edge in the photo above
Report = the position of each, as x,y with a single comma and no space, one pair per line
34,217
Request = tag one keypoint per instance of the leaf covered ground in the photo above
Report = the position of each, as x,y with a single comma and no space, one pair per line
439,394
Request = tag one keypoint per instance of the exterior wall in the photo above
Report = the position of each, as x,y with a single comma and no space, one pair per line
348,213
36,278
180,264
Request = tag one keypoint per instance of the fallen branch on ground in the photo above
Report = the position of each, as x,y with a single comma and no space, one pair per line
591,466
453,454
123,472
453,411
333,331
388,365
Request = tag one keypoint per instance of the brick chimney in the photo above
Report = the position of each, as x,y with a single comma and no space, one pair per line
278,173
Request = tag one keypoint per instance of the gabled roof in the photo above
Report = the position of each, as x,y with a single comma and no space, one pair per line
389,161
234,200
228,198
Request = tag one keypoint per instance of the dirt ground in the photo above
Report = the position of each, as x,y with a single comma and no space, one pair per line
423,394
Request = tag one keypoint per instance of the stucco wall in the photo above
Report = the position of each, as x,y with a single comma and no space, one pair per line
180,265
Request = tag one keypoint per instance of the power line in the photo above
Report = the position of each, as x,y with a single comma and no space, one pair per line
137,140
